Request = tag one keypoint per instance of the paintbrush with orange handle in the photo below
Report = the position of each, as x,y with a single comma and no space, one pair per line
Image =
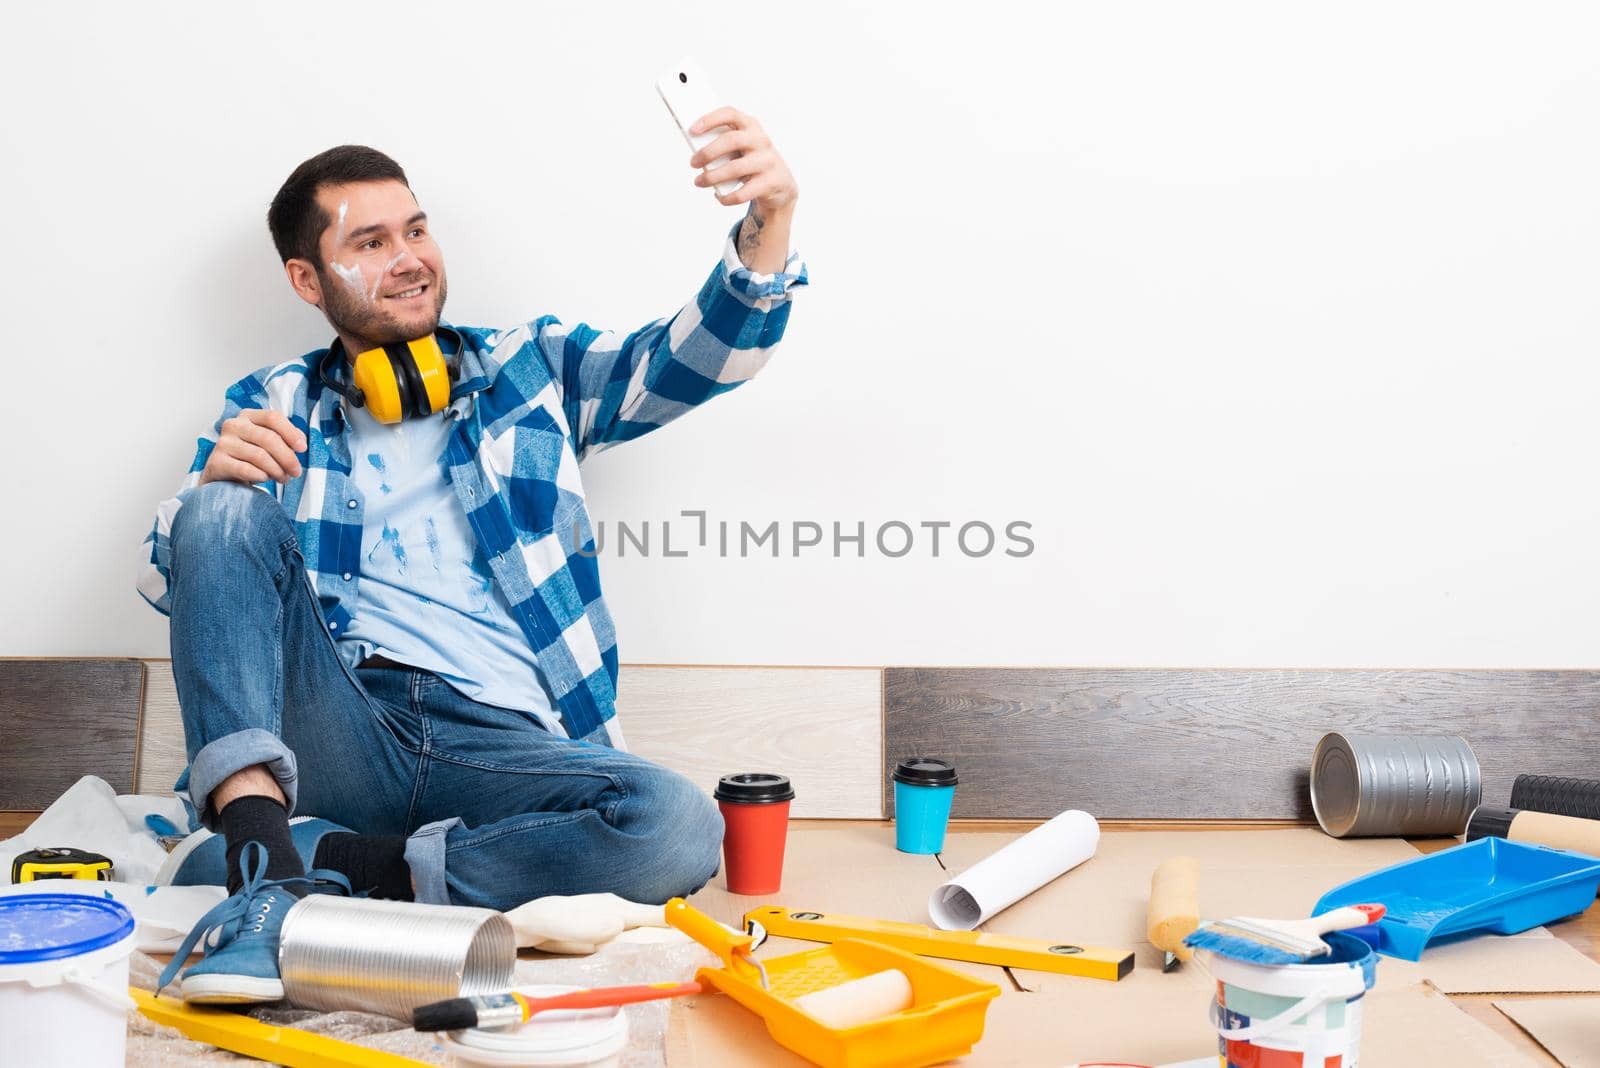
509,1009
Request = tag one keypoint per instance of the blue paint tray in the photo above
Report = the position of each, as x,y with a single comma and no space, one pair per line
1492,884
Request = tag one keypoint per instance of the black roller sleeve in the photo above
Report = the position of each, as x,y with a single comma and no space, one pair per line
1561,796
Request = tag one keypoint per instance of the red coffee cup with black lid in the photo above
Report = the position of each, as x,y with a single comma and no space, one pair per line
755,813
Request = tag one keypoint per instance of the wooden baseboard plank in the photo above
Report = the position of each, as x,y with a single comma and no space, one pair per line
63,718
1156,744
823,728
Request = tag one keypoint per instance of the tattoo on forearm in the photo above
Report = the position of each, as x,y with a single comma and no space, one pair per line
750,233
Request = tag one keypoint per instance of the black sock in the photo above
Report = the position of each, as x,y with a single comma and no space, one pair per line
260,819
375,863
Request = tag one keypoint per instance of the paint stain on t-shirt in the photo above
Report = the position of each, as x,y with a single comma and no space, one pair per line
376,460
433,544
390,540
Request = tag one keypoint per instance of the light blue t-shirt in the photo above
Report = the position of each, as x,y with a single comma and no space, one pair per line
427,598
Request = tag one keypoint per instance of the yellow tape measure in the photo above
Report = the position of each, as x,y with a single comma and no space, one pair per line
61,863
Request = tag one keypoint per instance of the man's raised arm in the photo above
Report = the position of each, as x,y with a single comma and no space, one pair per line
616,388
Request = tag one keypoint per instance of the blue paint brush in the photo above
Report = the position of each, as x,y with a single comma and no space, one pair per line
1279,941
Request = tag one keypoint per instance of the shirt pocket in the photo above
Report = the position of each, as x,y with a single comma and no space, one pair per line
538,452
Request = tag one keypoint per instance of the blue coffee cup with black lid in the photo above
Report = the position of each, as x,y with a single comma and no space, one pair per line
924,787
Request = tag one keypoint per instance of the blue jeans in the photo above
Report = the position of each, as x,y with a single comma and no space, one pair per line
497,810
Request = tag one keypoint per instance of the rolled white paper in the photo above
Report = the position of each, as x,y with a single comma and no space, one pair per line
859,1001
1002,879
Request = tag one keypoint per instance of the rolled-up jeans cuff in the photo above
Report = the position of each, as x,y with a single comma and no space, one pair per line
425,858
233,753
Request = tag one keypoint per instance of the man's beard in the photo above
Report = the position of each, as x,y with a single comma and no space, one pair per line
354,316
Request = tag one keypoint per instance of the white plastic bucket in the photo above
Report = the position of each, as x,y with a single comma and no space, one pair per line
64,979
561,1038
1292,1015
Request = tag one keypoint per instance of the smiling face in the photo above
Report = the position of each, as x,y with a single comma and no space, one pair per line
381,279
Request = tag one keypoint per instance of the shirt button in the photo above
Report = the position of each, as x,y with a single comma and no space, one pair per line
333,626
351,503
348,576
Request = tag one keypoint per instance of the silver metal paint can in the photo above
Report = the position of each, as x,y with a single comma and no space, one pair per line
390,957
1394,784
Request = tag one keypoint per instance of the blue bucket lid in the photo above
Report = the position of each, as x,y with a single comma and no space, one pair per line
1351,949
37,927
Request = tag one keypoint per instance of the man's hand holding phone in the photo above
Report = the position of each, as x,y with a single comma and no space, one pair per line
747,168
766,177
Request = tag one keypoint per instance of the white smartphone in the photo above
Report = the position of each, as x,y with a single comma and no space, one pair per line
689,96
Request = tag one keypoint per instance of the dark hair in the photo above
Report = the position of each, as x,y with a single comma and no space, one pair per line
297,220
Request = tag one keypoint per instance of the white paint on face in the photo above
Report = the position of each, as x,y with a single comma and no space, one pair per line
351,277
378,281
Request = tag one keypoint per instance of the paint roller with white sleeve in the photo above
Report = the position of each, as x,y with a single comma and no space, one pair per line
859,1001
1006,877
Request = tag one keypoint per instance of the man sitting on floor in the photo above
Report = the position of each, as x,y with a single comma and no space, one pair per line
397,627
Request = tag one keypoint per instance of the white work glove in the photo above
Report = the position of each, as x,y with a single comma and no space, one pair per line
579,924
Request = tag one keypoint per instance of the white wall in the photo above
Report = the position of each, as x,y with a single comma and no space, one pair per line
1277,321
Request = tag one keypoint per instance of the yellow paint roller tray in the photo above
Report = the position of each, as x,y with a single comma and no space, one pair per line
945,1018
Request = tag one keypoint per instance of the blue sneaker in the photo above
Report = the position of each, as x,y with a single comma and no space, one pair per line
240,966
201,858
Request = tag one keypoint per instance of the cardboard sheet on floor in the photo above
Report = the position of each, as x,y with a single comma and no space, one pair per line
1568,1028
853,869
856,869
1534,962
1260,873
1255,873
1404,1027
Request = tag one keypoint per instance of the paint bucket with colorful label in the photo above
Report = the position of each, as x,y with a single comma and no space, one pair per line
755,813
923,790
1292,1015
64,980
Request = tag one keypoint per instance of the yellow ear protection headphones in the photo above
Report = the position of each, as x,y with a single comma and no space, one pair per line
394,381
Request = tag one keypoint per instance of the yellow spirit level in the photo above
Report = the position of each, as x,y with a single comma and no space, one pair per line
976,947
284,1045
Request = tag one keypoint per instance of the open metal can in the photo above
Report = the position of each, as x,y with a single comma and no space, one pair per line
1365,785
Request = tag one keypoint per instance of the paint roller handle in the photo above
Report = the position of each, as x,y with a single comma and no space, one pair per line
708,932
603,996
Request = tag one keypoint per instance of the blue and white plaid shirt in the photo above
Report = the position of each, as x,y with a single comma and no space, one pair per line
528,403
